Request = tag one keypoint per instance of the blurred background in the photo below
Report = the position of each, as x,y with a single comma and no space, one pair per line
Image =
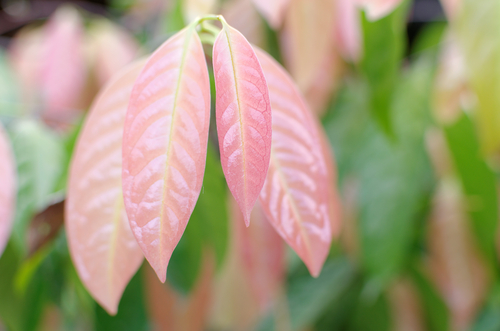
408,93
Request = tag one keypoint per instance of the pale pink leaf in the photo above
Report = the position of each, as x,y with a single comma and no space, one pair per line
272,10
102,246
297,197
62,63
263,254
165,145
307,37
111,48
348,30
243,114
7,189
377,9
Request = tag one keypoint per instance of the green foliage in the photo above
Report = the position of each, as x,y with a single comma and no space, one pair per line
478,181
384,45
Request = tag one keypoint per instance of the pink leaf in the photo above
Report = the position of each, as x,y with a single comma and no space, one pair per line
348,30
243,114
262,251
102,246
7,189
297,197
63,65
307,38
165,145
272,10
112,48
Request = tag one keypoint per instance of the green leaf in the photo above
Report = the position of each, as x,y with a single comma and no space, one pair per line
384,45
207,227
478,181
40,157
372,316
131,311
308,297
395,177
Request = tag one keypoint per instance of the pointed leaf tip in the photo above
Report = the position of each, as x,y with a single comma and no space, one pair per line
243,113
297,197
7,189
102,246
165,144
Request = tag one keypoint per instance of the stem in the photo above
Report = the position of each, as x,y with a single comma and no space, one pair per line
208,32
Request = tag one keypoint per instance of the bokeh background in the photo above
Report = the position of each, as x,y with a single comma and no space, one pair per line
409,95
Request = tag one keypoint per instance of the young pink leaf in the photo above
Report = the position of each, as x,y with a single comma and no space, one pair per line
272,10
243,112
262,252
348,30
111,48
63,68
165,144
297,197
102,246
307,37
7,189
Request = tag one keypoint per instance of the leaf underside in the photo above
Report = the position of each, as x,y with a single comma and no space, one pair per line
164,145
102,246
243,115
298,195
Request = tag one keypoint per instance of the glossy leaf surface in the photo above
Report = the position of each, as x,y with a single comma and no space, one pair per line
165,144
295,196
243,113
102,246
273,10
7,189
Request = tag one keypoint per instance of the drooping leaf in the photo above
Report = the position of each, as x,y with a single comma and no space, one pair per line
296,194
63,69
243,113
308,35
377,9
164,145
384,42
40,159
263,254
273,10
103,248
7,189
